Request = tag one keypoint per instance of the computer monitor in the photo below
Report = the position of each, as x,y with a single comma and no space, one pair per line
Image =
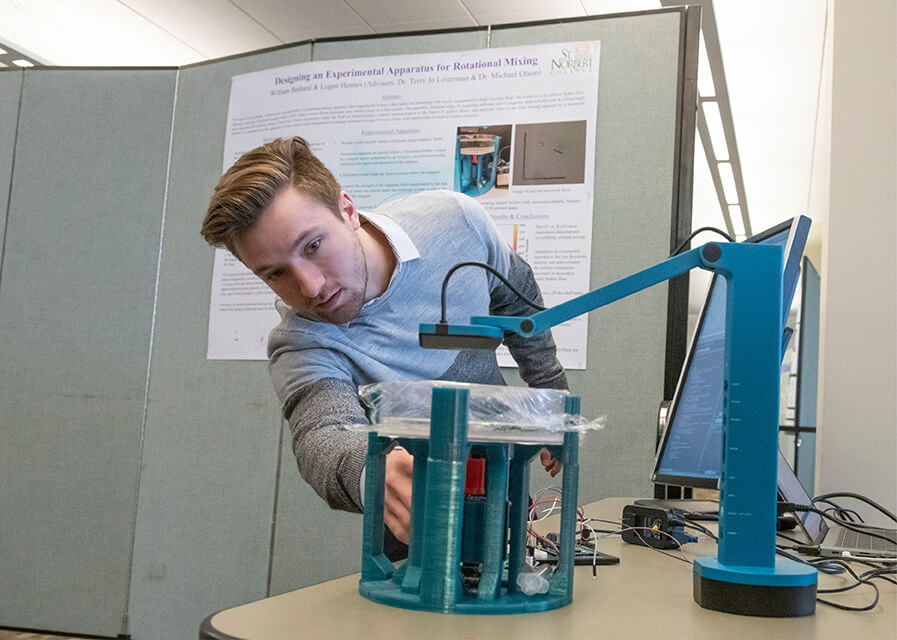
689,453
807,376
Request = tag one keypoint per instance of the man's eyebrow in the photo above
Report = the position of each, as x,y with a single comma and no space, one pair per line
296,243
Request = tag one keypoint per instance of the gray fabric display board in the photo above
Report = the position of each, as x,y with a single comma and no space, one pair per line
10,98
143,487
76,314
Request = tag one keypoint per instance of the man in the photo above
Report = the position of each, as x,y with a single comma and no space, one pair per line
353,287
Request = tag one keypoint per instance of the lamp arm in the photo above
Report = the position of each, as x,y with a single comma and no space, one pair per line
543,320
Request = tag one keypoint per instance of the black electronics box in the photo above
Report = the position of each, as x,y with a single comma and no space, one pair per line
650,527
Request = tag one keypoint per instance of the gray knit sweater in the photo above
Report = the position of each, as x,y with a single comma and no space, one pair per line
317,367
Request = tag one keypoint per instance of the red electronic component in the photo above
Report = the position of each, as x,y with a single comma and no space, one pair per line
475,481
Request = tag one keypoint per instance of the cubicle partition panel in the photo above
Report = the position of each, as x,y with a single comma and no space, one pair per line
144,486
76,309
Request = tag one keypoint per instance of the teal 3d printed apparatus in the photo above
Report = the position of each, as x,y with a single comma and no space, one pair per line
476,162
745,576
472,447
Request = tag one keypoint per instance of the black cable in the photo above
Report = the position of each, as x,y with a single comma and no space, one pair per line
660,551
785,507
844,607
859,580
694,525
846,520
827,565
834,566
830,566
857,526
880,574
847,515
494,272
842,510
685,242
856,496
691,515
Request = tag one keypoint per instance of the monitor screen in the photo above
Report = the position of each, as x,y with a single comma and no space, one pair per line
690,450
807,375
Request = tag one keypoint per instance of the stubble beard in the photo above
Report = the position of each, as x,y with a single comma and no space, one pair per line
351,308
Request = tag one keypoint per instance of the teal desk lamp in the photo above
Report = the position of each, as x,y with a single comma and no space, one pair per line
746,576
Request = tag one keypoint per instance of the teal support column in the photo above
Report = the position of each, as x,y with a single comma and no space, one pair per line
751,408
411,570
495,532
519,512
446,466
562,581
374,564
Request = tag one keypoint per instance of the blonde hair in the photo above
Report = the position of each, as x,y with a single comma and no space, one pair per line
247,188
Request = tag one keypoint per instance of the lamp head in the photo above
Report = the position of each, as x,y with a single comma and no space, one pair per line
459,336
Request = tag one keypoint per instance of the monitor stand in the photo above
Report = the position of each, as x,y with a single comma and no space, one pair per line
696,509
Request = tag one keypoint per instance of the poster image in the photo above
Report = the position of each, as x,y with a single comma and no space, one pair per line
512,127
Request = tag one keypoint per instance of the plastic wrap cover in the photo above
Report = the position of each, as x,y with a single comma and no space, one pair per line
502,413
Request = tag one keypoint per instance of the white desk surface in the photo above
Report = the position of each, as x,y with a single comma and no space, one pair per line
647,595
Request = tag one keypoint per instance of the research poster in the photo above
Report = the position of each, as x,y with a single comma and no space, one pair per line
513,128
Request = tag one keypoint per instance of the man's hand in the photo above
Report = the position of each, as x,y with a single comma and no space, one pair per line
552,465
397,500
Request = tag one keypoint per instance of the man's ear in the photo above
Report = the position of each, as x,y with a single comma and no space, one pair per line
348,211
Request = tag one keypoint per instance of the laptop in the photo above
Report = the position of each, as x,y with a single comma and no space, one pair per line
832,540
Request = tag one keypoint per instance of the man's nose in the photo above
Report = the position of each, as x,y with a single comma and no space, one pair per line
310,281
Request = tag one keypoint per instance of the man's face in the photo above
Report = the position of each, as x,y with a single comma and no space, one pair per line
310,258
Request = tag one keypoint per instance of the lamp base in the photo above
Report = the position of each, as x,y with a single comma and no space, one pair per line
787,590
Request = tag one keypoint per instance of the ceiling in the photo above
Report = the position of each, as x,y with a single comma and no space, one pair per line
771,50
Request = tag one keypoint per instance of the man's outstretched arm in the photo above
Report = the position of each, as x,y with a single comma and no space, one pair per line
331,458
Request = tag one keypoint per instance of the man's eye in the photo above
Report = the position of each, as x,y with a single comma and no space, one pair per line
313,246
274,275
